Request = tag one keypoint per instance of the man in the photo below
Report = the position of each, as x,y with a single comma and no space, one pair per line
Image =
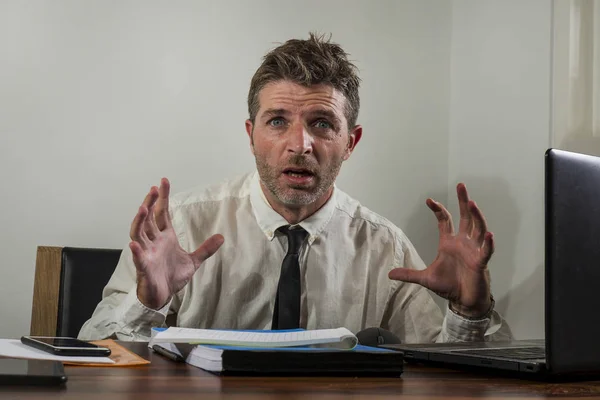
217,258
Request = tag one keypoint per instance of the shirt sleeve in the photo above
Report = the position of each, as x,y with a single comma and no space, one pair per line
458,329
413,315
120,314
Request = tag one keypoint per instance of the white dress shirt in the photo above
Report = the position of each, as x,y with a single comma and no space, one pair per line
344,265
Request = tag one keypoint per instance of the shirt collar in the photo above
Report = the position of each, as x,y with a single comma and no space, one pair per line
269,220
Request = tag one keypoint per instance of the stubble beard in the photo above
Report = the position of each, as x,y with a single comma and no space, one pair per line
297,196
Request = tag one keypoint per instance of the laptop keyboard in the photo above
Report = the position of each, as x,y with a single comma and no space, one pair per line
521,353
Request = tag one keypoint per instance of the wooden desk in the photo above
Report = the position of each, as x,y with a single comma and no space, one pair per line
164,379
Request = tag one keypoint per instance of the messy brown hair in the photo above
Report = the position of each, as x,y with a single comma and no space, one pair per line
309,62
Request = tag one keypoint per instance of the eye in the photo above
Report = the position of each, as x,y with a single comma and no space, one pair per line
322,124
277,122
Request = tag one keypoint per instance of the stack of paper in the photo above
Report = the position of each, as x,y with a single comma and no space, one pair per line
324,351
340,338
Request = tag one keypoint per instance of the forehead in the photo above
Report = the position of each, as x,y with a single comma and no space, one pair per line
297,98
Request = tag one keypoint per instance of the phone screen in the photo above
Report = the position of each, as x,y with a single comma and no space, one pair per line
64,342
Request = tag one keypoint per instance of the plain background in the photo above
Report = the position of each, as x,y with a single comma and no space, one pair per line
100,99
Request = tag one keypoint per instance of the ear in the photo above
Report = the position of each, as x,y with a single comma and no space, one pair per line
249,130
353,139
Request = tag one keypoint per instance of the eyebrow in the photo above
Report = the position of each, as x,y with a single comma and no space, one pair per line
274,112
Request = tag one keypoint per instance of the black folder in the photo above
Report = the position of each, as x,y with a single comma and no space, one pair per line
232,360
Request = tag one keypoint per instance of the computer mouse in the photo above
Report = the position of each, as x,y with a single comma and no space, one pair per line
376,337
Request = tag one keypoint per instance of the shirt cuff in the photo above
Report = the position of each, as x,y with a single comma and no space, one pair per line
458,329
136,320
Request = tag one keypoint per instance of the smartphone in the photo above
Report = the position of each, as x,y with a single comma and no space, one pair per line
65,346
31,372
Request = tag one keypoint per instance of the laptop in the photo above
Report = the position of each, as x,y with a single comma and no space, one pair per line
572,284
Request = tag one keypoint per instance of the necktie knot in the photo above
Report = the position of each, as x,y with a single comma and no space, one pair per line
295,236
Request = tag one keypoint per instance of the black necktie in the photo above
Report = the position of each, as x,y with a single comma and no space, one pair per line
286,314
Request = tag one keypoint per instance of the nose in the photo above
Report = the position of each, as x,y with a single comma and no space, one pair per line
299,140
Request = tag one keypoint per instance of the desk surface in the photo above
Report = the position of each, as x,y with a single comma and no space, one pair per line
164,379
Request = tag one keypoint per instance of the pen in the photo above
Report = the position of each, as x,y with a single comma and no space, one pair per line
169,354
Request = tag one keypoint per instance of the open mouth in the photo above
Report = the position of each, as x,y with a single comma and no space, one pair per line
298,172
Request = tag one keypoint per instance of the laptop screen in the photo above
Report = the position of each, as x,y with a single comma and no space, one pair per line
572,275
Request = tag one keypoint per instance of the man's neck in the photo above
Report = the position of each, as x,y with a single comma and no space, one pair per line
295,214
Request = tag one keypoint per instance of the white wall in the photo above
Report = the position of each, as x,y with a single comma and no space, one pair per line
99,99
576,76
499,130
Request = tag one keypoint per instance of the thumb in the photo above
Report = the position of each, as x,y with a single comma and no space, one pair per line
407,275
207,249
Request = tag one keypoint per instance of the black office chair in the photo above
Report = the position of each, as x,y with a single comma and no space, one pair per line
84,273
68,287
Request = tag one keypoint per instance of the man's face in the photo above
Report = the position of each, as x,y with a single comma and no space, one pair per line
300,139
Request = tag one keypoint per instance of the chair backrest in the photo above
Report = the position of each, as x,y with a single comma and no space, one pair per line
68,286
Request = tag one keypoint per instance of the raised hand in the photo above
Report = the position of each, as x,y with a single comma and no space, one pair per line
459,273
163,268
